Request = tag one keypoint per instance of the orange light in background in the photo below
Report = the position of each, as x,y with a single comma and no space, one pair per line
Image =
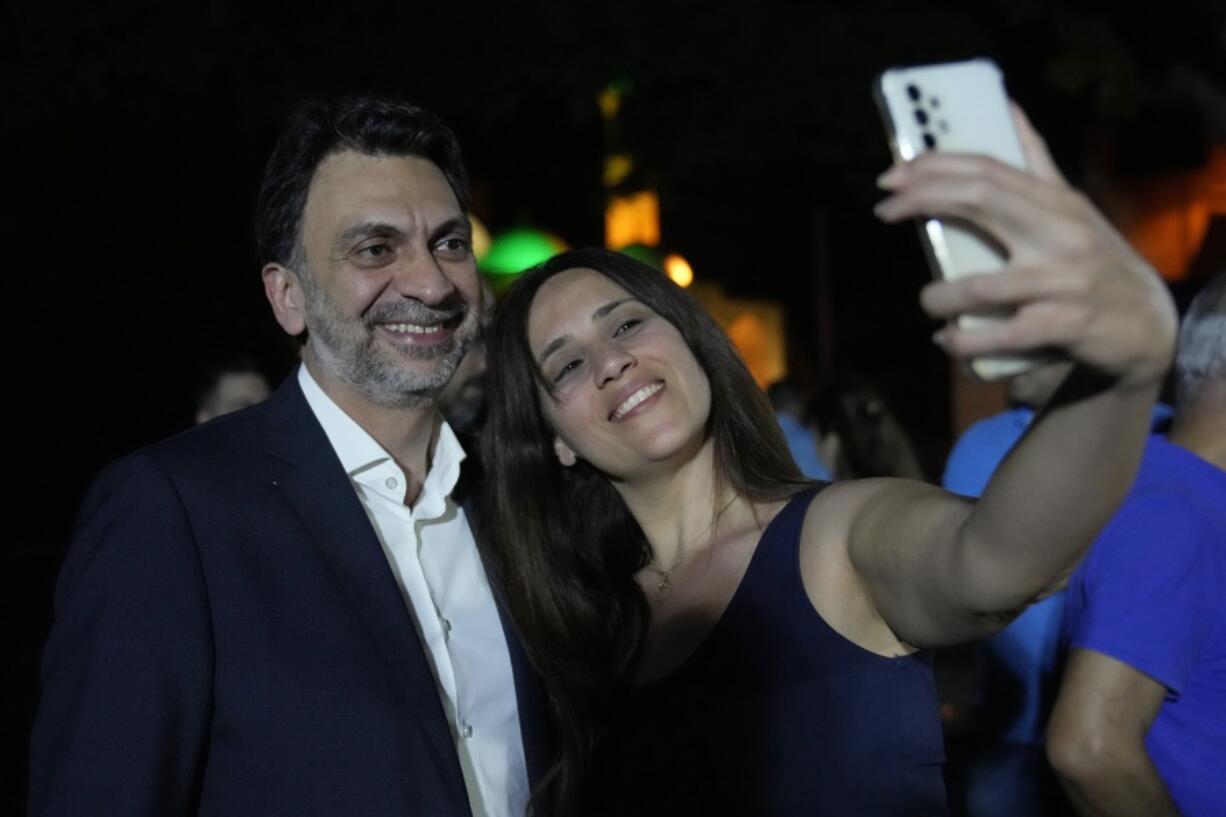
632,219
679,270
1166,218
750,333
754,326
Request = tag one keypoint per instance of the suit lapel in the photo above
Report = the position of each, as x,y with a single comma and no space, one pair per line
322,494
534,723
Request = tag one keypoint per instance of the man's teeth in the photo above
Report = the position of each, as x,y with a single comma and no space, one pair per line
411,328
636,398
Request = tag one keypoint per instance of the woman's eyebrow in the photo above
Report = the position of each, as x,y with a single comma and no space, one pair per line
558,342
609,307
553,346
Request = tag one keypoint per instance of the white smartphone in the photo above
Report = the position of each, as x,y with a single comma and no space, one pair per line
958,107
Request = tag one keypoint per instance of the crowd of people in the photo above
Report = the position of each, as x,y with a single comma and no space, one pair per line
602,585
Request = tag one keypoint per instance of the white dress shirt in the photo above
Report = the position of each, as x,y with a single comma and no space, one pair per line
433,555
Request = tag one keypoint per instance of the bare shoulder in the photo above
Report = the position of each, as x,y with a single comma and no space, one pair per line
835,588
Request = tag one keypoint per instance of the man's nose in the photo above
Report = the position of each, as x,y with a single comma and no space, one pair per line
420,276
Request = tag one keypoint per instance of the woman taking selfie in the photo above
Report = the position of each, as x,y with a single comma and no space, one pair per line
716,634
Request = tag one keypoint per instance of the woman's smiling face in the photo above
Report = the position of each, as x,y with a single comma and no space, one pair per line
626,392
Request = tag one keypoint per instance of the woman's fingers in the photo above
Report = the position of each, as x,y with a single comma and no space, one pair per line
1003,201
1038,159
1069,280
992,291
1044,325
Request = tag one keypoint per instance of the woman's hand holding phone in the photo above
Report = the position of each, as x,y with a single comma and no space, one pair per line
1073,283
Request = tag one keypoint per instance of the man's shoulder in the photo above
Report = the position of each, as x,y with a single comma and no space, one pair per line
1149,591
1170,521
231,435
217,450
221,449
1171,468
1176,488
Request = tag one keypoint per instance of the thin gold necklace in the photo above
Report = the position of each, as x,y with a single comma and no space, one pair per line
666,575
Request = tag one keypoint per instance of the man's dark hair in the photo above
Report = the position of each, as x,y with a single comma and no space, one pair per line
375,126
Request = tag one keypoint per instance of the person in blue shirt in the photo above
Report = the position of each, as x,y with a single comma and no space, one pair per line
1139,726
1010,777
801,437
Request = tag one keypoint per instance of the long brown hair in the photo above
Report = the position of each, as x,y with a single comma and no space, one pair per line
561,541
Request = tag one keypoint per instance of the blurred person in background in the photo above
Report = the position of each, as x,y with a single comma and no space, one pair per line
861,436
1139,726
1009,776
462,400
229,387
802,437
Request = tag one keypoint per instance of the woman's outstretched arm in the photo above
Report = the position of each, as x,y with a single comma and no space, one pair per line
941,569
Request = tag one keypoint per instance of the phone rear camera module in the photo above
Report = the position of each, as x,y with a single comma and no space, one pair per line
921,117
913,91
930,141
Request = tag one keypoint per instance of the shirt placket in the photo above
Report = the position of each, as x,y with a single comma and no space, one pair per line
433,576
434,629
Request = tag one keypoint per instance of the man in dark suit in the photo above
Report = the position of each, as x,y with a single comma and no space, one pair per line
283,612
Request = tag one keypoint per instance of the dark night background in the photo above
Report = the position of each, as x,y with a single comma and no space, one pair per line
138,131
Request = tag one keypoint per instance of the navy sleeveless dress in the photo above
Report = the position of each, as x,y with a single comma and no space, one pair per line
777,714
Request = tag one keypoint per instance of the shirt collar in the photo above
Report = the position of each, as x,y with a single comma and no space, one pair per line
361,455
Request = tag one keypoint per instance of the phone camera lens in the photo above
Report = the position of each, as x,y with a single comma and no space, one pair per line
921,117
913,91
930,141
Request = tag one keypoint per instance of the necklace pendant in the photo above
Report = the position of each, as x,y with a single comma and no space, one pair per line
663,585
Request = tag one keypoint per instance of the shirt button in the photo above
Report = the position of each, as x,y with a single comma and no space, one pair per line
391,483
446,627
466,730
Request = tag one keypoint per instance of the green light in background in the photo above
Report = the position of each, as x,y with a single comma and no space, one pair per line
514,251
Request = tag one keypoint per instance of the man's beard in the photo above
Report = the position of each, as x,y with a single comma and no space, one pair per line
349,348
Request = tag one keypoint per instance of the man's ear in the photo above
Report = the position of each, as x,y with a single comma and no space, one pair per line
285,295
564,453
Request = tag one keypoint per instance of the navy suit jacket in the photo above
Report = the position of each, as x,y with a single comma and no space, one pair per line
229,640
